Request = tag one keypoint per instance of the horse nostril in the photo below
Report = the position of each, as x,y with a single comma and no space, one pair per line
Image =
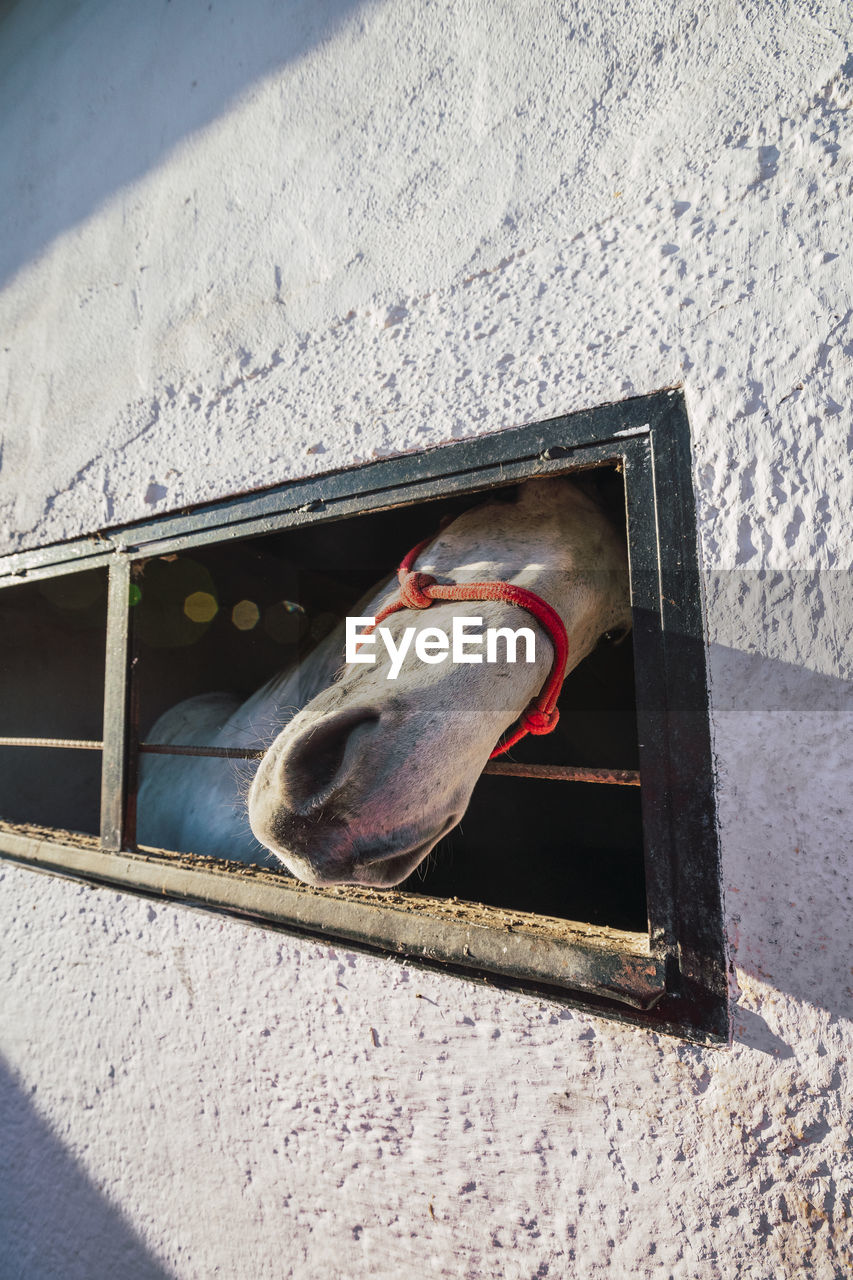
316,759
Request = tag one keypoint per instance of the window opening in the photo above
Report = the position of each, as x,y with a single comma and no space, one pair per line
610,892
259,606
51,688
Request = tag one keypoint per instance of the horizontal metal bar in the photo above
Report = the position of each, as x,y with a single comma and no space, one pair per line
405,494
611,963
544,448
566,773
548,772
222,753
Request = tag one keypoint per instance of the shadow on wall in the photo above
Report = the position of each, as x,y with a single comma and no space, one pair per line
54,1224
782,742
176,65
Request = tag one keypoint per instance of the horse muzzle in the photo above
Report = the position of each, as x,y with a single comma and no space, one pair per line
333,803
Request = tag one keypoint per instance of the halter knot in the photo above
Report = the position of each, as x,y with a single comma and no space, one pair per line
535,720
413,590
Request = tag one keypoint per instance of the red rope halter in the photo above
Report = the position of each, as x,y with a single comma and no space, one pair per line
419,590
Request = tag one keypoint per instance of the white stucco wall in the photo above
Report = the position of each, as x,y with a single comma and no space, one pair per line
245,243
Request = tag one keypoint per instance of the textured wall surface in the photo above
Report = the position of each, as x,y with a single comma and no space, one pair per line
245,243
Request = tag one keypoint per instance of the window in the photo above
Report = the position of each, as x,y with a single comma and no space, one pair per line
586,865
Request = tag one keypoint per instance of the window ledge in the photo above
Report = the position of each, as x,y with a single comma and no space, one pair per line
611,964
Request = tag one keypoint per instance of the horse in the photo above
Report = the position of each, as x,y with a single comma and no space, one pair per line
363,775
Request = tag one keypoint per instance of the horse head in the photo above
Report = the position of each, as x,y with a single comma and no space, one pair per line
373,772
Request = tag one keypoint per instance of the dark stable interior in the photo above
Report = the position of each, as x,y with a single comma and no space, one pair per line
569,850
52,658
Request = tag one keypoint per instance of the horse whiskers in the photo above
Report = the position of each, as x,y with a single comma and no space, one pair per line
265,732
430,862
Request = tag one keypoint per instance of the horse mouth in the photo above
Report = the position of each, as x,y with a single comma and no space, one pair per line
384,871
378,864
387,872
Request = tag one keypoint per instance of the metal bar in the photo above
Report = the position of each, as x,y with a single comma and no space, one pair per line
338,508
114,764
566,773
549,772
609,963
541,448
644,554
131,784
222,753
695,885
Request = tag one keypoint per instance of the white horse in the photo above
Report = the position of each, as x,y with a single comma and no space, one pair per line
364,775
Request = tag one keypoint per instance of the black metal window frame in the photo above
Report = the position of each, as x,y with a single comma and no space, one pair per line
674,977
